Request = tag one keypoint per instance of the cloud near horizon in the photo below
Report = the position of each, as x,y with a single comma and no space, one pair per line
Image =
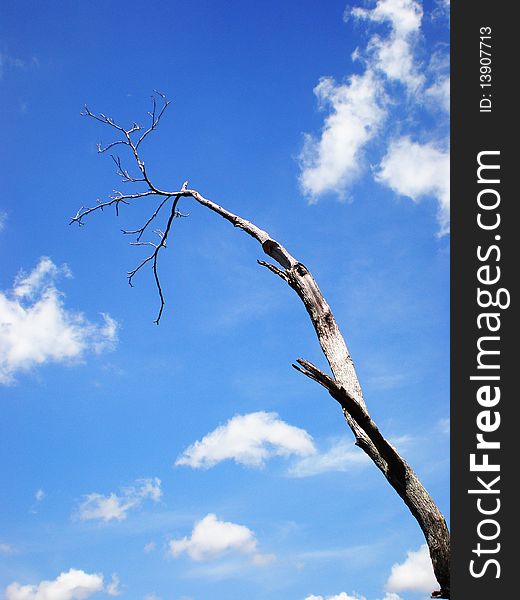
74,584
345,596
340,596
414,574
36,327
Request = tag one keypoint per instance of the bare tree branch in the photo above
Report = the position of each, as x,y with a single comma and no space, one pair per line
155,120
343,386
102,149
122,172
118,198
139,232
274,269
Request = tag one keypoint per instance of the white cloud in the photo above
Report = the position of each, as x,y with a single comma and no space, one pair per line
36,327
248,440
40,495
341,456
331,163
45,272
114,506
417,171
359,112
211,539
72,585
151,597
414,574
253,438
393,55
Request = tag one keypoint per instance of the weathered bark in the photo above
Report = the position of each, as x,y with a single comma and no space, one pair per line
345,388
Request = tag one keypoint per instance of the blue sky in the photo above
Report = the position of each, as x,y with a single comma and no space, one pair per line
189,461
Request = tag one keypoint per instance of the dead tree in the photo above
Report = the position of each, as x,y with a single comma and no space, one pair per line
343,386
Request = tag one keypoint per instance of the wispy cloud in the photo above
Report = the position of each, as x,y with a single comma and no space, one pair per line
9,62
342,456
149,547
36,327
6,549
248,440
393,54
211,539
444,425
357,555
116,506
360,110
439,92
112,588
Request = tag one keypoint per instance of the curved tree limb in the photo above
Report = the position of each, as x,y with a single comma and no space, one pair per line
343,386
398,473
